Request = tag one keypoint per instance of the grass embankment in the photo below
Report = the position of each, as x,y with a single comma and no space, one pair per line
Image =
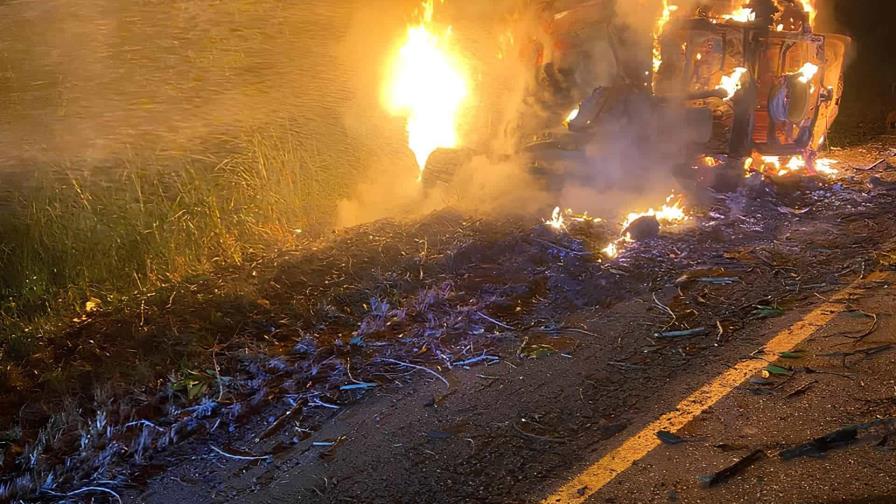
73,234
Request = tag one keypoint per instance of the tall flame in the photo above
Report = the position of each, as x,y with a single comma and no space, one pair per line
811,11
661,23
782,166
427,84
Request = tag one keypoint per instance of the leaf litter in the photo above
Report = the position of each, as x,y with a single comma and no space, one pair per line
373,305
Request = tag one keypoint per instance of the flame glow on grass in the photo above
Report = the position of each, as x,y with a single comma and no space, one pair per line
427,84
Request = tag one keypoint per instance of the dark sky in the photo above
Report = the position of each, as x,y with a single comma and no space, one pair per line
872,24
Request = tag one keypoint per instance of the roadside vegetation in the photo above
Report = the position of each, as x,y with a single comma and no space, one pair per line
78,238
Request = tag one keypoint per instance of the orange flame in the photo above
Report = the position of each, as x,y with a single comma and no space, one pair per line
741,15
556,222
807,72
661,23
811,11
672,212
781,166
731,84
427,85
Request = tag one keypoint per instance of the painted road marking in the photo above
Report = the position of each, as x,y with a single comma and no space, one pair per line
595,477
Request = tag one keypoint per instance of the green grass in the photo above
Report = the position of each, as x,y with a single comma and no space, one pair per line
79,232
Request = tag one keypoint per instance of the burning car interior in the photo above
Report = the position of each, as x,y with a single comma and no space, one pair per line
447,251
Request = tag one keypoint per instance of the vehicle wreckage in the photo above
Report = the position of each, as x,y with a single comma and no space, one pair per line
741,85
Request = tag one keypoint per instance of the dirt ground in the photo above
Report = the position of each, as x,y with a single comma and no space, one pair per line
533,358
469,359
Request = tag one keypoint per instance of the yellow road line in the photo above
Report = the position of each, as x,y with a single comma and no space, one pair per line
595,477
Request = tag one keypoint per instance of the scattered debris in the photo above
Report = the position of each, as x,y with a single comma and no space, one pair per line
549,439
719,280
727,447
802,389
699,331
732,470
772,369
537,351
321,314
357,386
239,457
823,444
85,490
421,368
488,359
864,352
281,421
766,312
669,438
539,344
496,322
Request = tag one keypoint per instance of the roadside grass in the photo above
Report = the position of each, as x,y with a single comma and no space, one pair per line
73,234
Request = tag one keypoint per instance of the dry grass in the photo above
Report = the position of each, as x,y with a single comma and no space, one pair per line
76,233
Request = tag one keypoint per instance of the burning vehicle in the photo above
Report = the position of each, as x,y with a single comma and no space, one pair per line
767,85
752,85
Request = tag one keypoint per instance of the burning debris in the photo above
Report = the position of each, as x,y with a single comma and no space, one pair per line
637,226
781,166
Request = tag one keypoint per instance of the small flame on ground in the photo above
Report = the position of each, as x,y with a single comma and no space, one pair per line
826,167
611,250
781,166
572,115
672,212
556,222
427,84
